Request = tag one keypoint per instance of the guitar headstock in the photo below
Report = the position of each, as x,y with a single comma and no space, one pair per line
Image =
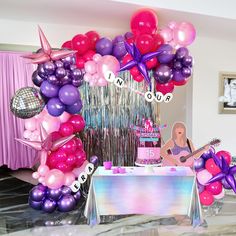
215,142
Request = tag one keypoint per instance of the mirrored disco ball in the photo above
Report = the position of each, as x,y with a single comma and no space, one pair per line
27,102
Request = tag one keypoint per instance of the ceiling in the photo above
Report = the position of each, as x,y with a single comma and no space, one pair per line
211,18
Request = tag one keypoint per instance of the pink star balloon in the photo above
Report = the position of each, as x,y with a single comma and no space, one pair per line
47,53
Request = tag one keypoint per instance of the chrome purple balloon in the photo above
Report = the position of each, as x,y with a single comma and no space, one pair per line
177,65
49,68
181,53
94,160
54,194
60,73
186,72
178,76
49,205
104,46
41,71
58,64
52,79
34,204
36,194
76,74
199,164
187,61
36,79
77,196
66,203
163,74
65,190
77,83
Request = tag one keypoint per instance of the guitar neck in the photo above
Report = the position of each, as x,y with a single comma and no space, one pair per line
195,152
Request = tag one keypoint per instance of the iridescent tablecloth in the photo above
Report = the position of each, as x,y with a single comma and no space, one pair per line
162,191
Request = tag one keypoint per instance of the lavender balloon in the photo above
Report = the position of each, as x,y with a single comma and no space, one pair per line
49,90
199,164
119,50
69,94
35,205
177,76
52,79
181,53
36,194
54,194
37,80
104,46
66,203
55,107
60,73
163,74
49,67
166,56
75,108
49,205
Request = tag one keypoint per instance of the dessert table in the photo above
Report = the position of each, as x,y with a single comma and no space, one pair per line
160,191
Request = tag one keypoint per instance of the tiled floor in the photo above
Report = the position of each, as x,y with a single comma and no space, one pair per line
17,218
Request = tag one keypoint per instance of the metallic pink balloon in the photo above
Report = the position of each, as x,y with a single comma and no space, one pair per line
54,179
172,24
69,178
167,34
90,67
43,170
102,82
97,57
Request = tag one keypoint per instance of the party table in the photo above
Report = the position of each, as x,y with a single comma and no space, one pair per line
163,191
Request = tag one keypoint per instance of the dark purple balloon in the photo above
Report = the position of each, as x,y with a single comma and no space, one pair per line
225,184
68,61
75,108
49,90
54,194
69,94
58,64
66,203
177,65
181,53
77,83
76,74
37,80
163,74
207,155
73,67
35,205
167,54
55,107
186,72
60,73
49,67
119,50
128,35
42,187
52,79
65,190
199,164
177,76
41,71
117,39
104,46
36,194
77,196
49,205
201,188
187,61
94,160
65,80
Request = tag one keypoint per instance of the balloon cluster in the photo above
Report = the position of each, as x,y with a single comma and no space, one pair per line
207,168
48,200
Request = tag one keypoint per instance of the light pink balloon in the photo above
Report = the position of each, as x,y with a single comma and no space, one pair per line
219,196
172,24
64,117
97,57
92,83
108,63
51,124
184,34
41,179
167,34
27,134
77,171
203,176
54,179
90,67
43,170
35,175
35,136
69,178
102,82
95,76
87,77
30,124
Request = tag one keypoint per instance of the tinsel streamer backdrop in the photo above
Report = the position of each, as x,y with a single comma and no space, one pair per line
109,111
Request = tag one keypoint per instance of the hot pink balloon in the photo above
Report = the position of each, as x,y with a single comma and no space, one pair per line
54,179
97,57
69,178
184,34
203,177
43,170
167,34
108,63
65,116
90,67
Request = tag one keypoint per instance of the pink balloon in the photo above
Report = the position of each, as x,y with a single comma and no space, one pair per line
87,77
79,143
35,175
90,67
220,195
51,124
81,157
102,82
43,170
215,188
30,124
63,167
64,117
203,177
27,134
78,122
41,179
172,25
69,178
108,63
206,198
166,34
66,129
95,76
92,83
77,171
97,57
35,136
54,179
184,34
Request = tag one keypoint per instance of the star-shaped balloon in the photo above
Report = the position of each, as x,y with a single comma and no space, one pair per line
47,54
46,144
226,173
139,60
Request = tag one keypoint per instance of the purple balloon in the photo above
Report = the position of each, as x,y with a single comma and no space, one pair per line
199,164
37,80
73,67
118,39
186,72
187,61
77,196
60,73
76,74
166,56
94,160
104,46
66,190
75,108
55,107
35,205
49,205
201,188
52,79
181,53
36,194
66,203
68,61
49,67
119,50
69,94
177,76
41,71
225,184
207,155
163,74
65,80
54,194
177,65
49,90
42,187
77,83
58,64
128,35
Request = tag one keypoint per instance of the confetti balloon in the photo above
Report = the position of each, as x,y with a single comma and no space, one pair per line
27,102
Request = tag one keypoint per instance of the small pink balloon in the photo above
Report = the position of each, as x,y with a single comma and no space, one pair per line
43,170
35,136
97,57
92,83
184,34
203,176
41,179
172,25
54,179
90,67
51,124
69,178
27,134
102,82
30,124
64,117
35,175
166,34
220,196
87,77
95,76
